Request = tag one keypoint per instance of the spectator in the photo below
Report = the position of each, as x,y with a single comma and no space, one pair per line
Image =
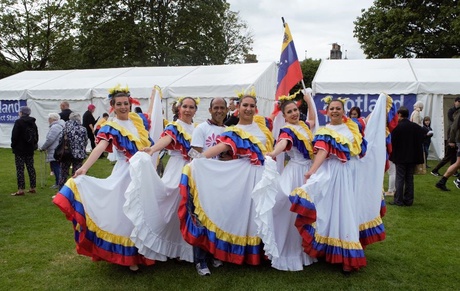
52,140
454,138
232,114
427,139
406,140
78,140
24,139
450,150
416,117
89,122
65,111
100,122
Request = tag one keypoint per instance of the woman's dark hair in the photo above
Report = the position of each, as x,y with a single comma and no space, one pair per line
248,96
138,109
355,108
182,101
119,94
283,105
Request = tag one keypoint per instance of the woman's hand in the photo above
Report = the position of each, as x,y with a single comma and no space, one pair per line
148,150
81,171
308,175
272,155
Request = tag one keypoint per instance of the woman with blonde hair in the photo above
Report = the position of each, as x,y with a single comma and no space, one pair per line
416,116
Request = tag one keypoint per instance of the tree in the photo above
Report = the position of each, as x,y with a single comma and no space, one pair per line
30,32
160,33
405,29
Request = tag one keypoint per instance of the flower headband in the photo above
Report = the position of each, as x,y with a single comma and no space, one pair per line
243,93
197,100
284,98
118,89
328,99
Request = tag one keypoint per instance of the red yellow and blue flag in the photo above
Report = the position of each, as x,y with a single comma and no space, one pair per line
289,72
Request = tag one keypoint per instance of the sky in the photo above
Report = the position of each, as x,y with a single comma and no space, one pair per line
314,26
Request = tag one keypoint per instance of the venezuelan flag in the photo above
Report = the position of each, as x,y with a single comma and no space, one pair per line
289,72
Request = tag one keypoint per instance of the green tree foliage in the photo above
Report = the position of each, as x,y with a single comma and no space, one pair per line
60,34
160,33
30,31
405,29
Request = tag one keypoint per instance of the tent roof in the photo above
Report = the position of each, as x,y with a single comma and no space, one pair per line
392,76
202,81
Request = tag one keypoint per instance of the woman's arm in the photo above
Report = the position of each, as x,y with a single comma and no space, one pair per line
95,154
216,150
159,145
280,146
311,115
320,157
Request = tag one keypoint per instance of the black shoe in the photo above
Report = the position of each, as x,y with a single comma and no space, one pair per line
442,186
456,175
457,183
435,173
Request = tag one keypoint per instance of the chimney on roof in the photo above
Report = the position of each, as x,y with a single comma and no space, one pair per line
336,53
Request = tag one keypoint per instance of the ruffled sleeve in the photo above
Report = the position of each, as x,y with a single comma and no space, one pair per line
243,144
180,139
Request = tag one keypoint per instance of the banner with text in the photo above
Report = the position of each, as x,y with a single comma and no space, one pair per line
9,110
365,102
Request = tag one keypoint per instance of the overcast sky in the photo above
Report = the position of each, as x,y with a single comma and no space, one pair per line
314,25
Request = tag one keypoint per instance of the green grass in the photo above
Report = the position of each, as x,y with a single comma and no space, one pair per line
37,250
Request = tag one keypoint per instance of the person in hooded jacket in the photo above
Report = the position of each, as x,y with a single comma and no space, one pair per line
51,143
24,139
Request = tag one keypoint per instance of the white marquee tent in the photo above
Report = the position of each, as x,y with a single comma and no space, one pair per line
44,90
435,82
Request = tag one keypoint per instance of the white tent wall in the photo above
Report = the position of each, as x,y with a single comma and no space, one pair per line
434,81
45,90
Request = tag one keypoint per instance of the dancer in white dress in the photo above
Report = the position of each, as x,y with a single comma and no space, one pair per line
95,206
295,139
339,206
217,212
152,203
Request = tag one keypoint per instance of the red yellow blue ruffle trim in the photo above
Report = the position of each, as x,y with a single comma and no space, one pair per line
336,251
198,230
123,139
298,140
90,239
180,139
340,146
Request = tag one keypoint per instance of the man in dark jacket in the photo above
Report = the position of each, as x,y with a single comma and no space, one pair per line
406,140
65,111
24,139
89,122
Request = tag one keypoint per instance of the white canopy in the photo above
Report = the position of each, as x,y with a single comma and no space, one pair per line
435,82
44,90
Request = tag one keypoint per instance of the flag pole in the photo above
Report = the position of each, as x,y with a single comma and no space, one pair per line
284,23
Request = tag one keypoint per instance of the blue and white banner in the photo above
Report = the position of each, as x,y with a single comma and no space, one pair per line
365,102
9,110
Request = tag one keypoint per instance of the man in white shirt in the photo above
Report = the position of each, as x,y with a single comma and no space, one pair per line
205,136
206,133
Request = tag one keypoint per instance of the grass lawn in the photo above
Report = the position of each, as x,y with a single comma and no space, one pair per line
37,251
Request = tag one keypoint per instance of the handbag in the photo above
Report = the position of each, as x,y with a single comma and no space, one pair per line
63,151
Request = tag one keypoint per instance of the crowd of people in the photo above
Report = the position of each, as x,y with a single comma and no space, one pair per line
222,197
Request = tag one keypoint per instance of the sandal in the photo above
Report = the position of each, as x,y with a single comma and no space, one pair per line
32,191
17,194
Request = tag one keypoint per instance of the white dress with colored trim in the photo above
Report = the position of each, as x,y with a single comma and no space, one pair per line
152,203
95,206
287,240
339,206
217,212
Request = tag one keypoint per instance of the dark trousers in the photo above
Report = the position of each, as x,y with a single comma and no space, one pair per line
404,194
91,139
28,161
199,255
65,166
450,156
